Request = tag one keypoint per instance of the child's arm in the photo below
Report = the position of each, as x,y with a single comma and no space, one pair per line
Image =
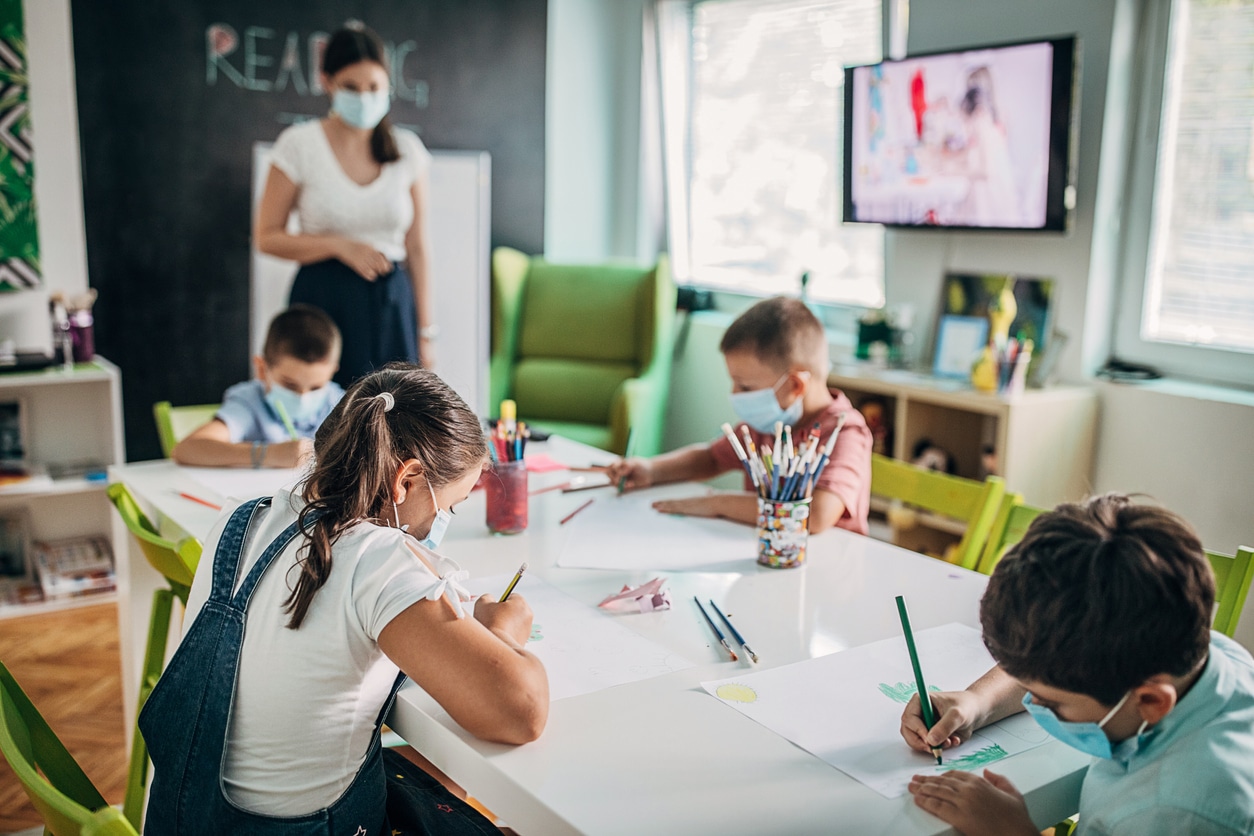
691,463
992,697
476,668
211,446
826,509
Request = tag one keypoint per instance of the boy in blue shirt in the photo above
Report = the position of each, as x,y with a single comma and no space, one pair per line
1100,624
270,421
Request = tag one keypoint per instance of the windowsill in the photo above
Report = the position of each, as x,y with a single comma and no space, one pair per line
1193,389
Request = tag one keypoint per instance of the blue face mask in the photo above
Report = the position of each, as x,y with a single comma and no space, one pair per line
361,110
300,409
439,525
1087,737
760,410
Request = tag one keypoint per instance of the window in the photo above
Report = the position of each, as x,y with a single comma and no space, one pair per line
1195,314
755,88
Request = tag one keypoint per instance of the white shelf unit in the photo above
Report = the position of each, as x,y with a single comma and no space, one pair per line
1043,438
71,417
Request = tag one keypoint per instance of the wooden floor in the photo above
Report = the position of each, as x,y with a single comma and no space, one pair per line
68,663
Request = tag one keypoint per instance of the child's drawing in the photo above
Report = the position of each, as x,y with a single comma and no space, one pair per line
978,759
736,692
902,691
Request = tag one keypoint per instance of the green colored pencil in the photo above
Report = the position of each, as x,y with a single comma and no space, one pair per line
622,480
925,702
287,422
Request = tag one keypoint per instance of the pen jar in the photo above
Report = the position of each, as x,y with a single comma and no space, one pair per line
783,532
506,489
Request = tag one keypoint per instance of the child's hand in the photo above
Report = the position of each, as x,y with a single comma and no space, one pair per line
974,805
363,259
960,714
289,453
511,619
691,506
638,473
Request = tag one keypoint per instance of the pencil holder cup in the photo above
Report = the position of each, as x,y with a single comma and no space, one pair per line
783,532
506,489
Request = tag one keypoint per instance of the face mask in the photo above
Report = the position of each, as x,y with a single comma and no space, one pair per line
361,110
1087,737
760,410
300,409
439,525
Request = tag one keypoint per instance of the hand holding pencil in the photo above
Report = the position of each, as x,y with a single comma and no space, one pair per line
958,713
632,473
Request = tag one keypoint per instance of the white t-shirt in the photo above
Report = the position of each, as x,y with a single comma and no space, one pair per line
329,202
306,700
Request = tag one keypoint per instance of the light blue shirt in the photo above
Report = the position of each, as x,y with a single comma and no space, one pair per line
249,417
1193,773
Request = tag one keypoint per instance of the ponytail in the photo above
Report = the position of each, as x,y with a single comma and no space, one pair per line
383,143
358,449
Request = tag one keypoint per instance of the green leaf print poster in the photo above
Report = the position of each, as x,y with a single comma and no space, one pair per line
19,241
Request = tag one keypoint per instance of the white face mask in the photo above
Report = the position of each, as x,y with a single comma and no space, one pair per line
760,410
439,525
361,110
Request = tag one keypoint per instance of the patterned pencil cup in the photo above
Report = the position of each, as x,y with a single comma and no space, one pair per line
783,532
506,489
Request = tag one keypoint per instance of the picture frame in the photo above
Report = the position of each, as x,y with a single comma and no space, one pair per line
972,295
959,340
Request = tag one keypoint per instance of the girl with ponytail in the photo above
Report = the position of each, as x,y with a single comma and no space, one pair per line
308,610
359,187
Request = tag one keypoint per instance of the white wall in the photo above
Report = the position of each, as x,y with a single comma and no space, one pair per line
58,184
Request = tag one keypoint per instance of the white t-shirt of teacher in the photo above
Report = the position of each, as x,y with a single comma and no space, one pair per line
329,202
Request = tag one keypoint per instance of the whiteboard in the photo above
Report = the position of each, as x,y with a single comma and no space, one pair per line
458,230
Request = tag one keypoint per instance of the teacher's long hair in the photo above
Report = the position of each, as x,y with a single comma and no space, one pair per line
354,43
359,448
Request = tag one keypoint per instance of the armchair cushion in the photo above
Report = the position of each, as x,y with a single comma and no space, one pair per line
580,311
568,390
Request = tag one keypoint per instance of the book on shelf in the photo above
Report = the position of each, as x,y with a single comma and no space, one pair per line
75,566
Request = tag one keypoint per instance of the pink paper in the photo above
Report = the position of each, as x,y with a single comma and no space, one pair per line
543,463
644,598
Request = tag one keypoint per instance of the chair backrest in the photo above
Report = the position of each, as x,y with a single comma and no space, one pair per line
58,788
1232,581
971,502
1009,526
174,423
176,561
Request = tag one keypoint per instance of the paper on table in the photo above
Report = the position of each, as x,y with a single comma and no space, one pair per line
243,483
543,463
644,598
582,648
624,532
846,708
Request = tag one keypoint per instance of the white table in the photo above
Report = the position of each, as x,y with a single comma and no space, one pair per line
660,755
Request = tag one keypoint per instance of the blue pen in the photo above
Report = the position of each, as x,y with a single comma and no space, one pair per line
827,453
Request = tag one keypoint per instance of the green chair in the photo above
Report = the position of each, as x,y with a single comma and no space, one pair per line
1009,526
174,423
65,797
584,350
1232,581
177,563
970,502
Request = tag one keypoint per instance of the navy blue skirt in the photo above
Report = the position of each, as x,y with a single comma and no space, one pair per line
376,319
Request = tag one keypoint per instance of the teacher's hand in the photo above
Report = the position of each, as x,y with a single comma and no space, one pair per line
363,259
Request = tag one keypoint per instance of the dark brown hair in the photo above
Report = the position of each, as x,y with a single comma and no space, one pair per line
358,450
780,331
351,45
1100,596
303,332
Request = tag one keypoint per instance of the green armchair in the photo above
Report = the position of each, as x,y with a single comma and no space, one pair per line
584,350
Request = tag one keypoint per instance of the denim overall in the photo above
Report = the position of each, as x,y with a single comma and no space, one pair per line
185,720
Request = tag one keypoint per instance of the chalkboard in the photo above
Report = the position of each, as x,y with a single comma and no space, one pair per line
171,98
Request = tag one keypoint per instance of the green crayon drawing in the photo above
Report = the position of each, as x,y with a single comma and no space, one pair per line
902,691
977,759
536,635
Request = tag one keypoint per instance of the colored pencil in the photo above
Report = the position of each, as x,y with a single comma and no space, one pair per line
735,633
204,502
571,515
925,701
721,638
622,480
287,421
510,589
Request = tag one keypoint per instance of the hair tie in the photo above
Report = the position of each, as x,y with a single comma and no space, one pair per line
388,400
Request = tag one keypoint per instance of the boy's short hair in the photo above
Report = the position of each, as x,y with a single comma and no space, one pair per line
781,332
1100,596
303,332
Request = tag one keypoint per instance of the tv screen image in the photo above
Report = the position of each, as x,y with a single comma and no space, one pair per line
978,138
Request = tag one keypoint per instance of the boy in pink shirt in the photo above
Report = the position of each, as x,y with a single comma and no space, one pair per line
776,354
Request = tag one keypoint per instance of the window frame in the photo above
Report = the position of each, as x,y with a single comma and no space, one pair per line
1224,366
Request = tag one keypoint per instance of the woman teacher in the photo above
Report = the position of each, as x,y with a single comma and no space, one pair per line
359,187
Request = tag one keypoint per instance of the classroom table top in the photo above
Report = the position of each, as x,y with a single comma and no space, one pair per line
660,755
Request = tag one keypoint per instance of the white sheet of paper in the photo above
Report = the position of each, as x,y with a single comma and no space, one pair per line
625,532
583,649
243,483
845,708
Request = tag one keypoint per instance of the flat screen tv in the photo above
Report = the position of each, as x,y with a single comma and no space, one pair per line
972,139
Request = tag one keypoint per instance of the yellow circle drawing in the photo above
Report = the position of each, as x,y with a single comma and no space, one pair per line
736,692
